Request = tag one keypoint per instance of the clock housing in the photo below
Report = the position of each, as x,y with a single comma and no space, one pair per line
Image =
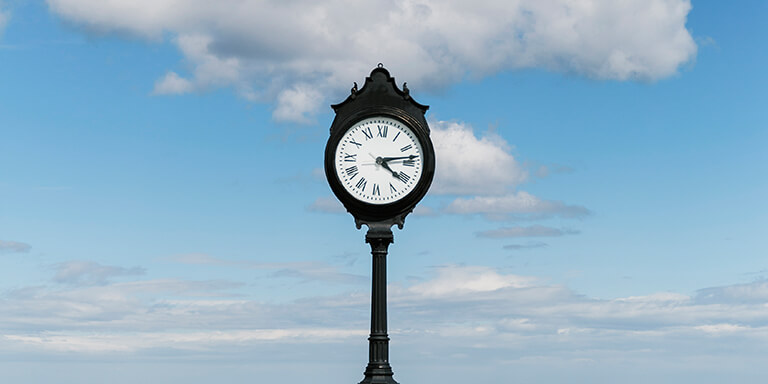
381,100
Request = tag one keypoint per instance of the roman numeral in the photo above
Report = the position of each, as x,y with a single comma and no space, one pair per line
376,190
398,134
352,141
367,132
407,147
403,177
351,172
361,183
392,188
348,157
382,131
409,163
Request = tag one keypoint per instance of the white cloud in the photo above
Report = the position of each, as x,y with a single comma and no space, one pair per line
485,171
462,315
14,247
466,164
532,231
315,272
484,168
456,280
521,205
210,69
756,292
193,341
305,271
172,84
657,298
723,328
4,17
272,50
90,273
298,103
124,306
530,245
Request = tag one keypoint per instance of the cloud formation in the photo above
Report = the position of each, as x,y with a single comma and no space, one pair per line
532,231
521,205
471,165
484,174
487,314
291,52
299,56
4,17
530,245
172,84
14,247
90,273
304,271
755,292
458,280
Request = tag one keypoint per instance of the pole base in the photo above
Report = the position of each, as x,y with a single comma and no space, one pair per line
378,374
378,380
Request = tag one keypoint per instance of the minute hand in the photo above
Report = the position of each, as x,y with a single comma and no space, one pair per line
386,159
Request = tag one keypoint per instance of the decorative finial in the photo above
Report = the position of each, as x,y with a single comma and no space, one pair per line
354,88
406,90
380,65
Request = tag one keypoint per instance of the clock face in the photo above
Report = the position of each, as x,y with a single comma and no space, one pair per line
379,160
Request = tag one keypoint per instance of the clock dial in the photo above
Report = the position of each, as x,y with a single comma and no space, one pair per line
379,160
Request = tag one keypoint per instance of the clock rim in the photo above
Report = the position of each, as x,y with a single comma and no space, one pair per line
377,212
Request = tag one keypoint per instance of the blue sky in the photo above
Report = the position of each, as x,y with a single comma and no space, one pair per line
164,216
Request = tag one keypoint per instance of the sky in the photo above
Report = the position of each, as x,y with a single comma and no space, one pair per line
598,213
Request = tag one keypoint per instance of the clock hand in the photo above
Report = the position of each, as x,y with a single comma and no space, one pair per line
386,159
372,163
389,169
384,164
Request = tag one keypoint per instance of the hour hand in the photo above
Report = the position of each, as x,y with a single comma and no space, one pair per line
383,163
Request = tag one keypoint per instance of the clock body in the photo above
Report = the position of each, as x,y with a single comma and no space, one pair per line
379,159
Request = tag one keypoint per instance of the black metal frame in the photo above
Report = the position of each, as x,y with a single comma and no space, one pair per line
380,96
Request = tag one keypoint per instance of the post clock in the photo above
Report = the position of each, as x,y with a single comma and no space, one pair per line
379,162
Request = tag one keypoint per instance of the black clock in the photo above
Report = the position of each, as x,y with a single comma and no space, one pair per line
379,159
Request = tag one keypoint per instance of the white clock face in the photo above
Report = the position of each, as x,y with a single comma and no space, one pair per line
379,160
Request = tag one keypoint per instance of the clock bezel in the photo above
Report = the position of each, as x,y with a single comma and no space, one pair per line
378,212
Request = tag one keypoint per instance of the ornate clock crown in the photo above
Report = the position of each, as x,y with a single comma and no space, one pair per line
381,89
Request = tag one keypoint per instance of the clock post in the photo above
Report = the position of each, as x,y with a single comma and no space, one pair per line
379,162
378,369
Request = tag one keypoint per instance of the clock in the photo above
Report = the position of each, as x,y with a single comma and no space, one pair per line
379,160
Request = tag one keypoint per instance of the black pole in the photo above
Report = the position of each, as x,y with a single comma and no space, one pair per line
378,369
